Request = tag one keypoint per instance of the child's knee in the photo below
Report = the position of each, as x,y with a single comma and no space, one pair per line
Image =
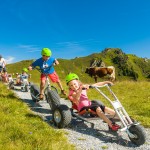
99,110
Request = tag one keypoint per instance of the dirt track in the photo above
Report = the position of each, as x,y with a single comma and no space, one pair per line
82,135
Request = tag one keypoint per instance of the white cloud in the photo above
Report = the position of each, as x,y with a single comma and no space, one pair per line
30,48
9,59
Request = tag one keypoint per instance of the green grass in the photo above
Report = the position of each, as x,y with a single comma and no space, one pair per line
22,129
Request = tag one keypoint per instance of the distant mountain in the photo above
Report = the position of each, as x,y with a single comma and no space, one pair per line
127,66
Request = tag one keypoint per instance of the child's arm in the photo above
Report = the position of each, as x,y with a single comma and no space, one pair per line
30,68
4,63
56,62
102,83
73,99
76,95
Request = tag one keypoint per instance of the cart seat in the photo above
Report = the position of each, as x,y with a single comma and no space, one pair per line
84,111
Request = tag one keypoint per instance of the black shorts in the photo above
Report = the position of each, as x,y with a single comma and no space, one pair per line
94,105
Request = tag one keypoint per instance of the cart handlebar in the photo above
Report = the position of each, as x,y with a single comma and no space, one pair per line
41,70
105,85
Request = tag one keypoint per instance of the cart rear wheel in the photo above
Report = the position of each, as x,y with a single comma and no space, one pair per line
139,133
62,116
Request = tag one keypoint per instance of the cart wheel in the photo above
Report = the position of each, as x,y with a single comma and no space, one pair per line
61,116
53,99
11,85
54,89
34,90
22,89
26,88
139,133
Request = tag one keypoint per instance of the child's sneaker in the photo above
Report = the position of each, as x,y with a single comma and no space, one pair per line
115,127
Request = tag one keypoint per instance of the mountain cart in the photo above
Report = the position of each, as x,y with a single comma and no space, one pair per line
24,86
62,116
50,92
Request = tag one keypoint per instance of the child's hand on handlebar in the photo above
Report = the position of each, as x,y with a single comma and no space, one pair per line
110,83
30,68
56,62
85,86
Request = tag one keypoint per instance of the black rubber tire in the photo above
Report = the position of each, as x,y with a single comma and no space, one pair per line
22,89
140,134
53,88
11,85
35,90
26,88
62,116
53,99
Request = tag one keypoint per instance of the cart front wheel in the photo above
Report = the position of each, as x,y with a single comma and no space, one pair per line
139,135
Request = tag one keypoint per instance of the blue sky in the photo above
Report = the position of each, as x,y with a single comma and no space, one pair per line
73,28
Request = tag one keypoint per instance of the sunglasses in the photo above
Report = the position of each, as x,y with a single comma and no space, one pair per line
46,56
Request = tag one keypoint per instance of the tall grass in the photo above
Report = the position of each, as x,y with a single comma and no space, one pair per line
21,129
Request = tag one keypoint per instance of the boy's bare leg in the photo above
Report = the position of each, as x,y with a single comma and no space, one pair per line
42,85
60,86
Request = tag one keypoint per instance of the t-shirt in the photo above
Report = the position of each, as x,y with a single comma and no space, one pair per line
24,76
2,62
45,64
84,101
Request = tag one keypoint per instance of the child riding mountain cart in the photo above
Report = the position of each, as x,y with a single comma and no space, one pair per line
20,82
46,65
62,114
50,92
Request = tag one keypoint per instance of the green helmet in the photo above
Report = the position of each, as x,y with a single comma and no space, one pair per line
25,69
70,77
46,52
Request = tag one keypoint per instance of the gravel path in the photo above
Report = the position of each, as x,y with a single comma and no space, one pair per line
82,135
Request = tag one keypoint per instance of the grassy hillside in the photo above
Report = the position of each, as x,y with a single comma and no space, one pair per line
21,129
18,124
127,66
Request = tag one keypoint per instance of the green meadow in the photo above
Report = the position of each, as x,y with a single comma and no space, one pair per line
20,128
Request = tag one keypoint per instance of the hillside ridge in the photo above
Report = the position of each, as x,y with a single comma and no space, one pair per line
127,66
